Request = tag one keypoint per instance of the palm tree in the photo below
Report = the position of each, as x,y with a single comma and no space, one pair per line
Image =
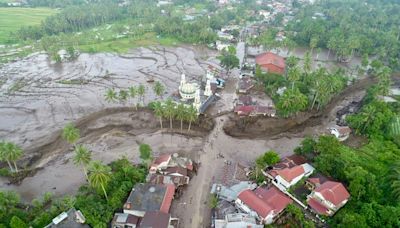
159,111
394,176
141,92
123,95
70,133
159,89
82,157
191,116
3,155
181,113
294,75
133,91
99,176
10,152
169,111
110,95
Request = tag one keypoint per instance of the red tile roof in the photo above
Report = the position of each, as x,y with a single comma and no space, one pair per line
274,198
168,197
271,62
291,173
244,110
264,201
160,159
176,169
333,192
317,207
249,198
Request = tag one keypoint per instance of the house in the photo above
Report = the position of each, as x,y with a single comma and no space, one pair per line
71,219
156,219
287,177
160,162
245,84
315,180
341,133
149,197
122,220
237,220
265,204
231,193
271,63
168,179
328,198
244,100
175,171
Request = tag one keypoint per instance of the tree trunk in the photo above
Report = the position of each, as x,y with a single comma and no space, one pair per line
190,124
161,122
315,99
170,122
181,125
329,52
9,165
16,167
104,191
85,171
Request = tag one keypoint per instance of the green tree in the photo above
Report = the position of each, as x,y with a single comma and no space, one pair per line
145,153
181,112
213,201
292,61
291,102
82,157
70,133
294,75
123,95
133,92
99,176
307,62
110,95
228,59
158,89
16,222
10,152
170,111
159,112
191,116
141,92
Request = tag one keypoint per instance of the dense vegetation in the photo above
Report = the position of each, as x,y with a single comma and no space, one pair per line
371,172
351,27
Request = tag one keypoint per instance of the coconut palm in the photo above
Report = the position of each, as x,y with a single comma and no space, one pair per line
294,75
181,113
159,111
82,157
191,116
3,155
169,111
99,176
70,133
141,92
10,152
158,89
123,95
110,95
133,93
394,176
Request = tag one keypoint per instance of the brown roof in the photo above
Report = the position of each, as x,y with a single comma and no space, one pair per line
245,84
160,159
122,218
333,192
317,206
155,219
176,169
344,130
291,173
317,179
167,179
245,99
169,196
270,58
264,201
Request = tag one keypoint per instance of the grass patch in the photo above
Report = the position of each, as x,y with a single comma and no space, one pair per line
13,18
17,86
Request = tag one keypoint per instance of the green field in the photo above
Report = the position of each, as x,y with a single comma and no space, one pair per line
11,19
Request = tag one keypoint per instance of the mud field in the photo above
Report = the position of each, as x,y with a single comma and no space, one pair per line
37,98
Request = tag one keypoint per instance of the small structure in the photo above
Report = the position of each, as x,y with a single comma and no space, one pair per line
328,198
265,204
230,194
187,90
155,219
168,179
149,197
122,220
160,162
341,133
244,100
287,177
255,110
271,63
244,85
237,220
315,181
71,219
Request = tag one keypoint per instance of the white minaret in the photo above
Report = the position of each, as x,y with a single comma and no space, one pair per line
208,92
183,80
197,101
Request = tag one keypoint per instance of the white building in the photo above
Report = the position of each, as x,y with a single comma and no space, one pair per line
285,178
